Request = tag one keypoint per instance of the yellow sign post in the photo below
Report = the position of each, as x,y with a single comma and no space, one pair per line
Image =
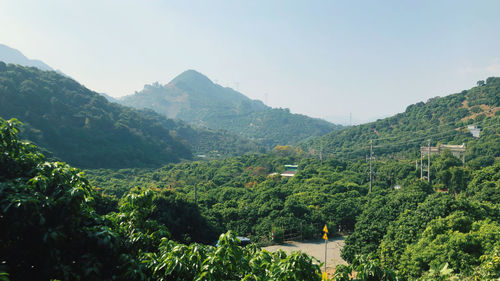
325,236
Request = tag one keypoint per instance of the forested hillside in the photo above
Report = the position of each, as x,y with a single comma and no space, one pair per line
128,224
56,226
440,120
447,227
192,97
190,179
81,127
407,228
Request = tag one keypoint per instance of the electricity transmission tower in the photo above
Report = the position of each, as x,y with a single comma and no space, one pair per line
422,169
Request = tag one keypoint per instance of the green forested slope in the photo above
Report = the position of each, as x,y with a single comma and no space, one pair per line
412,232
56,226
444,229
192,97
129,226
81,127
440,120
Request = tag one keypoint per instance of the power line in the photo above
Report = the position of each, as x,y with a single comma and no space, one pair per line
417,132
427,136
405,142
422,138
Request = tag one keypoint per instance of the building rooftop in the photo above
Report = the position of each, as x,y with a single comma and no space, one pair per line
288,173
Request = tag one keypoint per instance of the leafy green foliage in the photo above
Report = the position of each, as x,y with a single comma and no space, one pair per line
235,193
170,209
50,230
240,194
227,261
485,184
130,226
410,223
379,211
456,240
365,269
418,240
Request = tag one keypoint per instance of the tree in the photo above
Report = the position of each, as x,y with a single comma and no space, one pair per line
456,240
49,229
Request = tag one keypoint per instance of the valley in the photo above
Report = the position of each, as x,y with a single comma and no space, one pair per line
151,195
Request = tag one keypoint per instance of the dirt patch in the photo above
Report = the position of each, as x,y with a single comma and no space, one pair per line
316,249
485,109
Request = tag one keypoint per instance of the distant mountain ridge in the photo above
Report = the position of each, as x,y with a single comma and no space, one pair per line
190,96
439,120
194,98
81,127
11,55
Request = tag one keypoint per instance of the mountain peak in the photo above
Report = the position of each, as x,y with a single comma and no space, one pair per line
192,77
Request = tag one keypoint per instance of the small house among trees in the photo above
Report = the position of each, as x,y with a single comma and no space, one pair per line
474,130
290,170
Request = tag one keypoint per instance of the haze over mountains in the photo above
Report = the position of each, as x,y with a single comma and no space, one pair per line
81,127
194,98
190,96
221,120
11,55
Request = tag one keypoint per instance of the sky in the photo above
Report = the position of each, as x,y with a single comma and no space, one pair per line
327,59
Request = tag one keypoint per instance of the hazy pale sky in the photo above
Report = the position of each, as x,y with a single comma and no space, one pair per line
320,58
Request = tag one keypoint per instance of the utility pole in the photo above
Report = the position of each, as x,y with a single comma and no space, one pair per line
421,164
429,161
463,155
326,249
371,157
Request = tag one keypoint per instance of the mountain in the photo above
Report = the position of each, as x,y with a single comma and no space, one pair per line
194,98
191,97
81,127
11,55
349,120
108,97
439,120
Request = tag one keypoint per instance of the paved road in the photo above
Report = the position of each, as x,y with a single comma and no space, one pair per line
316,249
